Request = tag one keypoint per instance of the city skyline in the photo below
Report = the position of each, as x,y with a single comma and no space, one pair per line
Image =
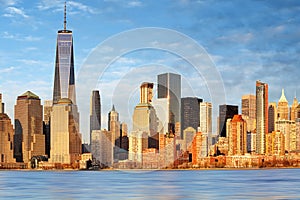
29,52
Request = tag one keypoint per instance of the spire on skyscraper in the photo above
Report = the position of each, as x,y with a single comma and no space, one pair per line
65,16
282,98
113,108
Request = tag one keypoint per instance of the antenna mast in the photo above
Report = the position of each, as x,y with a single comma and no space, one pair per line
65,16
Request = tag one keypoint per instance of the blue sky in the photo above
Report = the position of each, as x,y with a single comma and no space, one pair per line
246,40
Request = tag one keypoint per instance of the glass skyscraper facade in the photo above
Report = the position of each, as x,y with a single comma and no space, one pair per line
169,86
64,79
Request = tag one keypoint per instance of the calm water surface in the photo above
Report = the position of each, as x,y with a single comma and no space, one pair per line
203,184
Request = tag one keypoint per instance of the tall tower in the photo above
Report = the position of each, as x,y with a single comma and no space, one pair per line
190,113
114,125
272,117
144,115
95,112
293,109
226,112
206,120
249,111
261,116
64,79
169,86
237,135
283,107
29,139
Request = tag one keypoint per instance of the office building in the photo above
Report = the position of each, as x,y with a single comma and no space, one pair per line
226,112
288,129
190,113
283,108
114,125
6,137
144,115
64,78
66,145
29,140
275,143
272,117
206,120
293,109
95,112
237,135
138,142
261,116
169,86
249,111
102,147
199,147
46,125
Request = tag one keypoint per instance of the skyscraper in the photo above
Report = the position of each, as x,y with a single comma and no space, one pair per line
169,86
6,138
64,79
237,135
293,109
249,111
144,115
190,113
272,117
206,120
261,116
226,112
29,139
46,125
65,137
283,108
114,124
95,112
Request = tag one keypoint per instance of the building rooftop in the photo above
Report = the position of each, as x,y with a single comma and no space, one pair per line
28,95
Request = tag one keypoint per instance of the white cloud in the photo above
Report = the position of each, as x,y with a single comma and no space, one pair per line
29,38
8,2
134,4
6,70
14,12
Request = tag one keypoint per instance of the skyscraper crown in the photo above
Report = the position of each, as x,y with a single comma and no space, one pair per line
282,98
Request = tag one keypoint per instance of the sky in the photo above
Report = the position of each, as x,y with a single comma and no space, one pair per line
240,42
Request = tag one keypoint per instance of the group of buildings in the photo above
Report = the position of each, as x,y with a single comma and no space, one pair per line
168,131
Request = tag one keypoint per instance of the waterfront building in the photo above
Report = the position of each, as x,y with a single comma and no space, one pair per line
64,78
29,140
138,142
46,125
188,136
167,150
226,112
283,108
275,143
102,147
288,128
65,138
272,116
114,125
190,113
249,111
169,86
297,132
293,109
237,135
144,115
95,112
206,120
6,137
261,116
199,147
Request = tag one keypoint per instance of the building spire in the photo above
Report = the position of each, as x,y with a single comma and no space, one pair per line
282,98
65,16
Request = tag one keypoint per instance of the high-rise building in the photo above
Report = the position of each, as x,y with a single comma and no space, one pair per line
188,136
144,115
167,150
46,125
275,144
206,120
169,86
288,128
297,131
29,140
114,125
6,137
249,111
261,116
226,112
293,109
102,147
138,142
65,142
161,107
190,113
64,79
237,135
95,112
272,116
199,147
283,108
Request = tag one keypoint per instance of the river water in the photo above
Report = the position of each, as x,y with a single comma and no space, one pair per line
175,184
